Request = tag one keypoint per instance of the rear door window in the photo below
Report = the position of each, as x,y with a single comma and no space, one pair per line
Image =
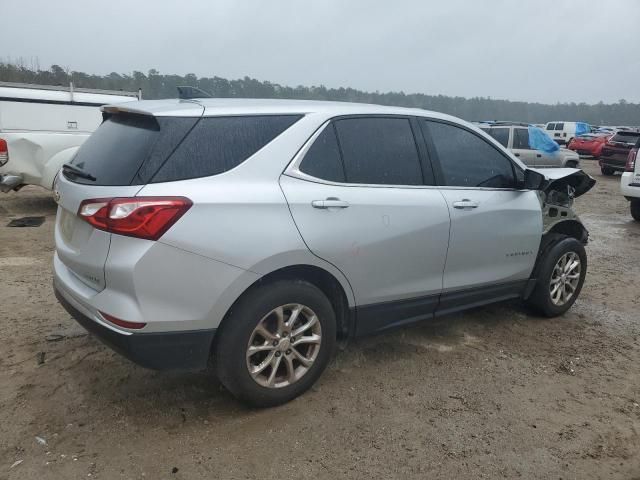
559,126
218,144
379,150
467,160
500,134
323,159
521,138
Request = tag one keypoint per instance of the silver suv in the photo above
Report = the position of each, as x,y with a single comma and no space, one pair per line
256,233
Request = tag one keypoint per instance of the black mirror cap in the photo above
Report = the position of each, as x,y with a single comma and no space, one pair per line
534,180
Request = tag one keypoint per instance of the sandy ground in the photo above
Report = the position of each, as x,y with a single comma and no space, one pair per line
496,392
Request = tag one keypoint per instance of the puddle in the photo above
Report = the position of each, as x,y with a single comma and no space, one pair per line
26,222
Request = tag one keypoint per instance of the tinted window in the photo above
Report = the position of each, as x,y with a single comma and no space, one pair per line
630,137
323,158
218,144
551,126
116,150
500,134
467,160
379,151
559,126
521,138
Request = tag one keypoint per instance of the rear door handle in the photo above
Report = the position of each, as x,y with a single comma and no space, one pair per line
517,154
538,155
330,202
465,204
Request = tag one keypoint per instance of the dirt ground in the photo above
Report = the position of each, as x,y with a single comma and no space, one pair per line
496,392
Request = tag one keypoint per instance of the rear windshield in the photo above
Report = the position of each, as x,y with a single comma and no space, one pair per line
115,152
630,138
138,149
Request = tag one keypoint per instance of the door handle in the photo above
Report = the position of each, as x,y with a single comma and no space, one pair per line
330,202
517,154
465,204
538,155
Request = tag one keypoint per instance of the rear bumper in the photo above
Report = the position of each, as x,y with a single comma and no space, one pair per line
615,163
187,350
627,187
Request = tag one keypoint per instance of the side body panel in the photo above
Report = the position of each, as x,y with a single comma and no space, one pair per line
495,242
390,242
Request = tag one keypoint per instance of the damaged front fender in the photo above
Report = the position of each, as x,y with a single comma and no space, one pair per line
562,186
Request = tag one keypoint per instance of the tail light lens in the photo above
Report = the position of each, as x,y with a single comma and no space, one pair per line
141,217
631,160
4,152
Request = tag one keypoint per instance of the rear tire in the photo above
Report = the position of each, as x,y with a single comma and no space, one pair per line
560,279
277,346
572,164
635,209
607,171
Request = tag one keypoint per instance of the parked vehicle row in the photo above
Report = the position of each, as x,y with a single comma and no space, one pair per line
515,137
564,132
41,127
614,154
257,233
589,144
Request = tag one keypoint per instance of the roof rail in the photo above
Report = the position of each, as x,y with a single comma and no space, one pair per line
187,92
72,88
508,123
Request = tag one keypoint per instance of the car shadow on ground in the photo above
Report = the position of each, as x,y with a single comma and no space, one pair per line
105,379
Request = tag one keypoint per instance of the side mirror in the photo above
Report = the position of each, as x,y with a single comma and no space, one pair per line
533,180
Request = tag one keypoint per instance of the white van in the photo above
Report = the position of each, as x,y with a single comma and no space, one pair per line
564,132
42,126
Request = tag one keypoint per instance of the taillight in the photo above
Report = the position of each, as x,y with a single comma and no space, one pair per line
631,160
140,217
4,152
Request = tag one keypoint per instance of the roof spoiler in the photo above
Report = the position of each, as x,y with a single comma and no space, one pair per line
189,93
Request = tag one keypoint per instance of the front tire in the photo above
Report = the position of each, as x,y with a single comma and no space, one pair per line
635,209
275,343
561,275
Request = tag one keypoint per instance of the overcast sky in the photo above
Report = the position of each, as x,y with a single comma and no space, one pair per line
534,50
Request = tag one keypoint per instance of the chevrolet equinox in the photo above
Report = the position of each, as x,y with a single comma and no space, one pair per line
256,233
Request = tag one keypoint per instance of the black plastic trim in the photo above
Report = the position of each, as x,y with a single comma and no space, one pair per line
188,350
378,317
452,302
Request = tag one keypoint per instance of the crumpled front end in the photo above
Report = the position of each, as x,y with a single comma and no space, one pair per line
557,197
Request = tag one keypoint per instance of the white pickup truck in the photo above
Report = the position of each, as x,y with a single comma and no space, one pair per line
41,127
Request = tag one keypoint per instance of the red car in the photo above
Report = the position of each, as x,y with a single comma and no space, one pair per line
589,144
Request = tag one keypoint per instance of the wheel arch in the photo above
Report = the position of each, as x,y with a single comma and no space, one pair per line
570,228
337,290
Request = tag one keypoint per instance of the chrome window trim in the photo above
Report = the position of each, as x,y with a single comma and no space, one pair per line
293,170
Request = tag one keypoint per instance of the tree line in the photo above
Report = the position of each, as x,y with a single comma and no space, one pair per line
156,85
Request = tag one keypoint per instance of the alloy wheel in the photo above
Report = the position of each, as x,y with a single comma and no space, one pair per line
565,278
284,345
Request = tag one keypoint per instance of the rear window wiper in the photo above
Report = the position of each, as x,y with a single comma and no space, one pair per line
78,172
